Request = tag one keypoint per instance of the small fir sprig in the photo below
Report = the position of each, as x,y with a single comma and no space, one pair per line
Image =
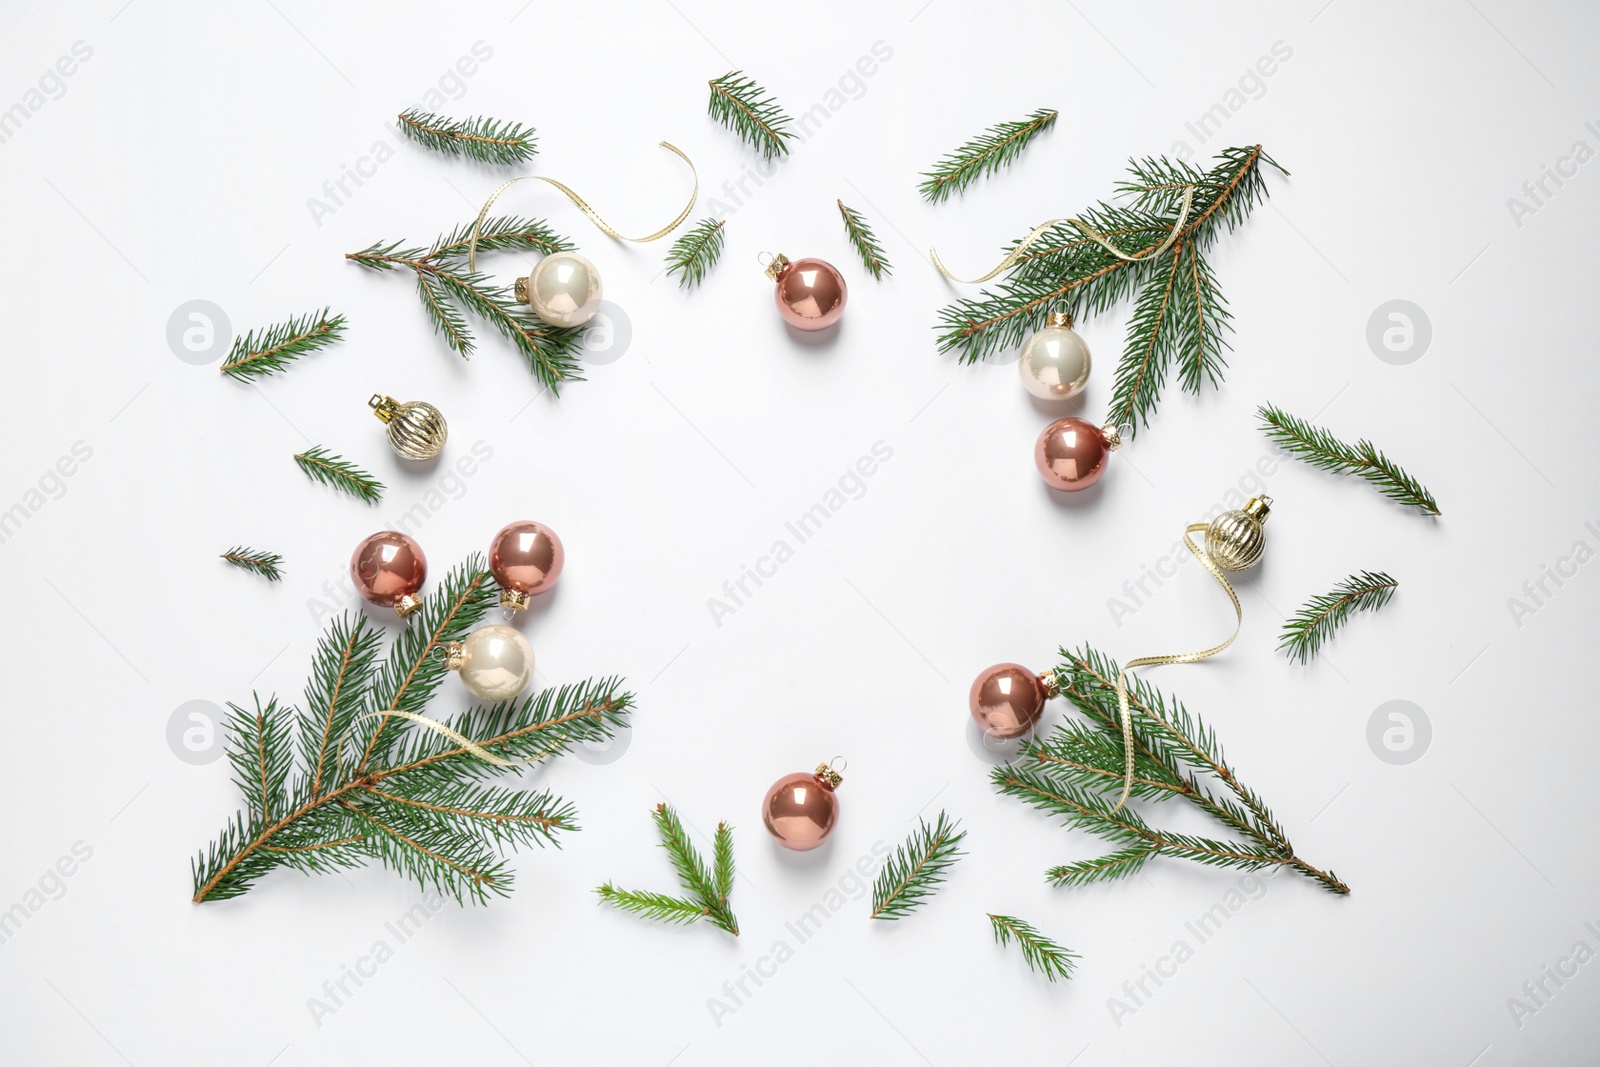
1076,773
1180,316
1321,449
271,349
347,780
706,890
267,564
865,242
1043,955
917,868
484,139
323,466
1314,624
750,111
449,289
696,252
985,154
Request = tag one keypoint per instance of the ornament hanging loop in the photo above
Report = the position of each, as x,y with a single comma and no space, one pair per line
776,266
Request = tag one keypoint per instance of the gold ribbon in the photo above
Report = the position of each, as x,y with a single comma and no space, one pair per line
440,728
1156,661
1084,228
605,227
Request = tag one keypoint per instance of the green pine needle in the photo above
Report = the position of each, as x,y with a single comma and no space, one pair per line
1315,623
1179,318
267,564
864,241
449,290
271,349
1075,774
323,466
696,251
484,139
706,890
917,868
1321,449
342,782
1043,955
750,111
985,154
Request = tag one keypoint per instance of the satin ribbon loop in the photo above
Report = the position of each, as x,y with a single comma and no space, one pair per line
583,206
1126,716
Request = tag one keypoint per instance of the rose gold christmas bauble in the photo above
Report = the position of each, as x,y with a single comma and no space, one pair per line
388,568
800,809
526,559
1071,454
1006,700
810,294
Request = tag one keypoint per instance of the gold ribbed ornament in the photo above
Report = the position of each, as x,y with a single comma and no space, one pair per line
416,429
1236,539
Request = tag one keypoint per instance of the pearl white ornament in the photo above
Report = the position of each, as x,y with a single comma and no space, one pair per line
1055,361
495,662
563,290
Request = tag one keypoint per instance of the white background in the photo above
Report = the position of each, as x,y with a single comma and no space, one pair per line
178,164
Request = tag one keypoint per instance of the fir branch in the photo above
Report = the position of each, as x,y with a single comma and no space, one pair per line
271,349
413,802
323,466
1042,955
696,251
706,890
267,564
750,111
917,868
1314,624
449,290
656,906
864,241
985,154
1321,449
1075,774
1180,315
484,139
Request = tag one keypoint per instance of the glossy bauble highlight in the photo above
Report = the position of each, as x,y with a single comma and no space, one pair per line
526,559
495,662
388,568
1072,453
810,292
1006,700
800,809
1055,361
563,290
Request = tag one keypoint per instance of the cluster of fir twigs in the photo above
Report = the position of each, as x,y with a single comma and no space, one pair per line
1076,773
481,138
450,290
984,155
750,111
696,251
270,349
346,779
1323,450
706,889
1180,319
1307,630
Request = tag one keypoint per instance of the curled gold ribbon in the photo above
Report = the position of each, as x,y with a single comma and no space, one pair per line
1084,228
605,227
1156,661
440,728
